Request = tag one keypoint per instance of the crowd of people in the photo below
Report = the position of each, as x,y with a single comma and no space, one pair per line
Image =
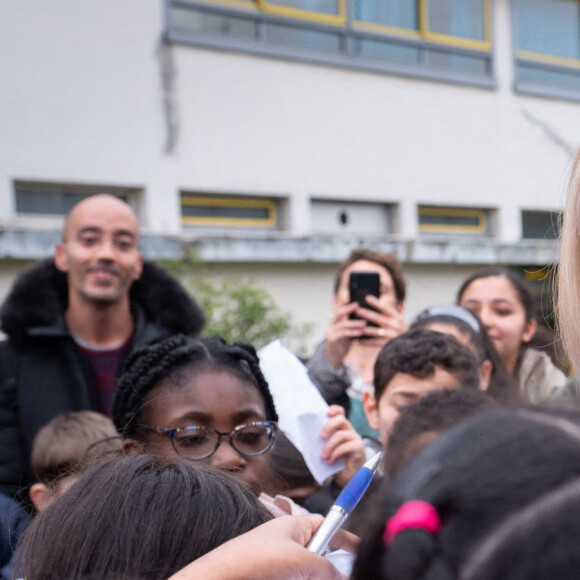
131,446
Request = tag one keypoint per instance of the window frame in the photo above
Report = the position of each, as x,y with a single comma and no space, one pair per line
337,20
423,31
347,34
546,61
479,230
223,222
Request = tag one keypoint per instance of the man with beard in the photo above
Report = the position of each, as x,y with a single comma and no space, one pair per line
71,323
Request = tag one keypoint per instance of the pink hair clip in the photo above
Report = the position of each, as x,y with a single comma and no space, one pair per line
412,514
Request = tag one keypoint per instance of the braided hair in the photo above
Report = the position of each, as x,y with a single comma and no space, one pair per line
147,367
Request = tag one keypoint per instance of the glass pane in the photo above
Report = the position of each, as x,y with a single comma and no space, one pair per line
220,211
538,75
47,201
462,18
303,38
398,13
214,23
388,51
449,220
542,225
548,26
462,63
323,6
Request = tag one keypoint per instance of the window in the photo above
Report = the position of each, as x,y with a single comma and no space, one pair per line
547,46
347,217
449,220
541,225
226,212
436,38
34,198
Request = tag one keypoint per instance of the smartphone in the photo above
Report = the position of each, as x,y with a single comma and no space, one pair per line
360,285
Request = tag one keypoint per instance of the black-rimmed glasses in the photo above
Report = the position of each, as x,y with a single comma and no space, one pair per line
199,442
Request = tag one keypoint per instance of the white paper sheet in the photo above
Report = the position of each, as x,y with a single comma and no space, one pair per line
301,409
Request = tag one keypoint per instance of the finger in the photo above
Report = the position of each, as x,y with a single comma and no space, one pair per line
351,450
344,311
381,306
344,540
339,444
349,324
390,324
334,410
337,333
337,423
298,528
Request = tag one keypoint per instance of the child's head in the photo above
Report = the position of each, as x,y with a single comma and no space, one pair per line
482,485
468,329
411,366
421,423
180,398
134,517
64,447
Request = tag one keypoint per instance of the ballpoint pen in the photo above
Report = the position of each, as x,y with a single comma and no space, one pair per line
344,504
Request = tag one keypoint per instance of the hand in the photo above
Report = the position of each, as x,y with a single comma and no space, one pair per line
341,332
342,441
274,550
387,318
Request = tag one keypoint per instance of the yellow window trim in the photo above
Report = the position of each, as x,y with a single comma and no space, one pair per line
540,274
424,32
246,4
454,212
548,58
270,206
335,19
456,40
385,29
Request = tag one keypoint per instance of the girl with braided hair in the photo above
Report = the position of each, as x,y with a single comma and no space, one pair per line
199,400
496,497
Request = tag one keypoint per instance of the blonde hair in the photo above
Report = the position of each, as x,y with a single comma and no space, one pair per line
568,291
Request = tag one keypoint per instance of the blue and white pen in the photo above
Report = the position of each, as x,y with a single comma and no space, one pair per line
344,504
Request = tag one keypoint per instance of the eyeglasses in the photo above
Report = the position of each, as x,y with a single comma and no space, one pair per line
199,442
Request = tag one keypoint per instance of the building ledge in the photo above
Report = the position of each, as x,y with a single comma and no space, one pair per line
35,244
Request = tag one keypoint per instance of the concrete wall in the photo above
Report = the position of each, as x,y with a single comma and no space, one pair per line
91,95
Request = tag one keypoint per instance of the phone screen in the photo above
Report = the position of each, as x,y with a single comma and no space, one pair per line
360,285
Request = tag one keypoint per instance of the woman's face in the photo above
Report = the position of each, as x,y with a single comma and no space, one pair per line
497,304
210,398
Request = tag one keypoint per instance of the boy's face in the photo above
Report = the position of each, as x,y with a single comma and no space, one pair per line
401,391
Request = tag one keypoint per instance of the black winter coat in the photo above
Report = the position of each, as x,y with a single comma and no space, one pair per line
42,370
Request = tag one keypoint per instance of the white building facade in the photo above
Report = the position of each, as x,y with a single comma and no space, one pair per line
271,137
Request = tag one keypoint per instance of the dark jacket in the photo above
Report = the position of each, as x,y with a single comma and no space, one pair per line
42,370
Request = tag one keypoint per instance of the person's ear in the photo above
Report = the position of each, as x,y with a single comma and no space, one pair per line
485,370
529,331
41,496
60,258
400,306
371,410
133,447
138,267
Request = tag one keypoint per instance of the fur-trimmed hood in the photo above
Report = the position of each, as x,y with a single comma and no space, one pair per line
39,297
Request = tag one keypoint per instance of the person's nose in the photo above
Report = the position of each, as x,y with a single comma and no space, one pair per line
486,317
106,251
227,458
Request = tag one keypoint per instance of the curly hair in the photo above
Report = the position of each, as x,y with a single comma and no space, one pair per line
419,352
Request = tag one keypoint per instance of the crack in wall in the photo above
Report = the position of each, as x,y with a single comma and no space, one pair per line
551,133
168,74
